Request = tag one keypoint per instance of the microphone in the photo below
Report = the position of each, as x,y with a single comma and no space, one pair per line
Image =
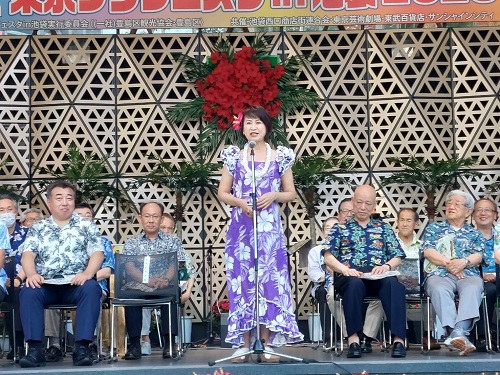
251,144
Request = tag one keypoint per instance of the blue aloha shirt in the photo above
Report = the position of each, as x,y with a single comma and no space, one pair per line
491,245
362,248
466,241
109,260
4,245
140,244
62,251
13,256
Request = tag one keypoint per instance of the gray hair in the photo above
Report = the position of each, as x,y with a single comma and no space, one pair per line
469,199
7,196
31,210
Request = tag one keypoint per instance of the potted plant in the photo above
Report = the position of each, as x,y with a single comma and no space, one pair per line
184,178
430,176
311,171
88,173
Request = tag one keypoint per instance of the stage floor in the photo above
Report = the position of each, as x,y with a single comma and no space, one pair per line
319,362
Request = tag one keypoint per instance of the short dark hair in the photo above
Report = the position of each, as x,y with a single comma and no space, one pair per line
60,184
261,114
168,216
343,201
415,214
85,205
162,207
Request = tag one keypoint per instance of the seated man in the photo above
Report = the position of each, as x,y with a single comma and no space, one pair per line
317,276
60,257
186,282
453,250
31,216
151,241
409,268
9,209
366,247
53,317
4,245
485,214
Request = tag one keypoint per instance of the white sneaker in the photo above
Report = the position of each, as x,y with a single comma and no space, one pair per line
146,348
270,358
240,355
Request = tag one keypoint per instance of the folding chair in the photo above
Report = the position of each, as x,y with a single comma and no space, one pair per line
427,300
339,349
146,281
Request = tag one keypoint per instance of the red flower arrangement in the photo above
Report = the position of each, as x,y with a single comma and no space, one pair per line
238,83
230,81
220,307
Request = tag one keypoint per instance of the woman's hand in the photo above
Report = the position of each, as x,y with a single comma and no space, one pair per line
246,208
265,200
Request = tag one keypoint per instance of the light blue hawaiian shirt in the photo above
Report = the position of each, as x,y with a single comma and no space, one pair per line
490,251
109,260
453,243
4,245
363,248
62,251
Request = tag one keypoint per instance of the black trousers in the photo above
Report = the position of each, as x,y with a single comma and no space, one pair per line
390,292
324,311
490,291
133,320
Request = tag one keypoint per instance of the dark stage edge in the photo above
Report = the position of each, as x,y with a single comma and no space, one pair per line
320,363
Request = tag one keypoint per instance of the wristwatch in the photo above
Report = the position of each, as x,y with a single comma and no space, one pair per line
467,263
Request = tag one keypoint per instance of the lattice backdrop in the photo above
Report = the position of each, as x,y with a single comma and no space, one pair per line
429,92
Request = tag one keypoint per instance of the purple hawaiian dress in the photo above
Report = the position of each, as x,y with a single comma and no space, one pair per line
276,308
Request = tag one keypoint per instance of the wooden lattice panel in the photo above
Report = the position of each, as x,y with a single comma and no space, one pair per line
428,92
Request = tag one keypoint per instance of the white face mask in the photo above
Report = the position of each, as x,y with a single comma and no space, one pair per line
8,218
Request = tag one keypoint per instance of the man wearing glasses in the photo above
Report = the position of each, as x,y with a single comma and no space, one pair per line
453,251
151,241
485,214
31,216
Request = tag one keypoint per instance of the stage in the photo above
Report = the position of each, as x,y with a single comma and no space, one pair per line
196,360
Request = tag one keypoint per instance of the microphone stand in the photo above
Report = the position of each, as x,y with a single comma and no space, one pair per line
258,347
210,332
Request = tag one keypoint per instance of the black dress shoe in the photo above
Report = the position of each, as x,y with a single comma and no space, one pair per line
166,352
354,351
398,350
366,347
134,352
53,354
81,357
34,358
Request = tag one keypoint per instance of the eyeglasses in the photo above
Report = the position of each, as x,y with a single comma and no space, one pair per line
149,217
484,210
346,211
455,203
31,219
169,228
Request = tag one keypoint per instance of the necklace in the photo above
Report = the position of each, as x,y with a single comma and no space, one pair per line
258,174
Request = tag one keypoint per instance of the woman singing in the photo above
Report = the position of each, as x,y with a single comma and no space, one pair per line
274,184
